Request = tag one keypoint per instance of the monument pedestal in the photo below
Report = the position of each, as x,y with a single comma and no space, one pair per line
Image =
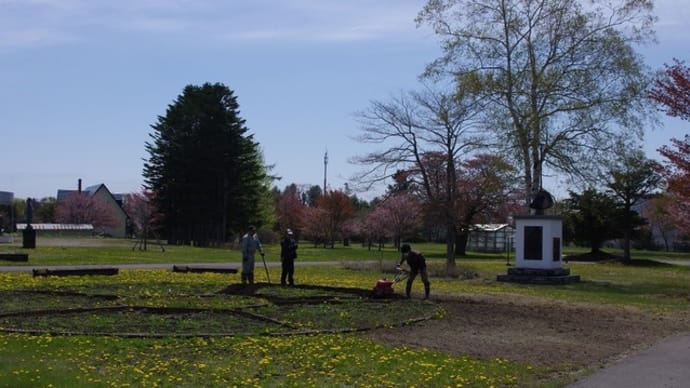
538,247
29,237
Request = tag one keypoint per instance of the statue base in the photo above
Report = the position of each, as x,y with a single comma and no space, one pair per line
538,276
29,237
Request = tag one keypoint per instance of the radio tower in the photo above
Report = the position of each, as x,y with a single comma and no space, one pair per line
325,170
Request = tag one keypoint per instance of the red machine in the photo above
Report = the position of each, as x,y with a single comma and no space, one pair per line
383,287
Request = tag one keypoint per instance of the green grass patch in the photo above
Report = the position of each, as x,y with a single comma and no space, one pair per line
118,251
293,361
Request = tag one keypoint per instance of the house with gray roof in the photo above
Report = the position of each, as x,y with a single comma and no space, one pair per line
113,201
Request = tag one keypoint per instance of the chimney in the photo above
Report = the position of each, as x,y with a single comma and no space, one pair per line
79,186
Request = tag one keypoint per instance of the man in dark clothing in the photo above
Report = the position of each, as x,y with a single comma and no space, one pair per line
288,254
417,264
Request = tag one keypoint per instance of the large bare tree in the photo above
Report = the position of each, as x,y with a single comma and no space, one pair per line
562,77
417,126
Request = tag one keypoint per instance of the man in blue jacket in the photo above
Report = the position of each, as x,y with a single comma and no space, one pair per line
250,244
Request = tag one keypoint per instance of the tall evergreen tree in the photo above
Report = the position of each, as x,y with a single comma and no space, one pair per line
594,218
205,169
631,179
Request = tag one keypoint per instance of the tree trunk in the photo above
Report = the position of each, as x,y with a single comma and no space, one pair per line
461,243
450,249
627,232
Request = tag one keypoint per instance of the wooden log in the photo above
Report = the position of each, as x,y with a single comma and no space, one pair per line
200,269
108,271
13,256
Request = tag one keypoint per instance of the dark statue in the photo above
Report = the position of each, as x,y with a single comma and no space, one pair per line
29,212
542,200
29,233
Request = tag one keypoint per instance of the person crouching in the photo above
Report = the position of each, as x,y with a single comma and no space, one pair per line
417,264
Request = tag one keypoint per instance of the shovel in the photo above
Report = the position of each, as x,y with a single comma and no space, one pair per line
266,268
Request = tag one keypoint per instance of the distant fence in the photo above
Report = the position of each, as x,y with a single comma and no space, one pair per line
60,229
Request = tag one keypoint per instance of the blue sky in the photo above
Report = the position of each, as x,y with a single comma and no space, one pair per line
81,81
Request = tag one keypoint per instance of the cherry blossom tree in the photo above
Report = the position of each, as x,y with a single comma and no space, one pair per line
82,208
338,209
143,215
672,91
374,228
676,171
315,224
397,216
290,209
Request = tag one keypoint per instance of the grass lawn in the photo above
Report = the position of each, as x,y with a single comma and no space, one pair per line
266,354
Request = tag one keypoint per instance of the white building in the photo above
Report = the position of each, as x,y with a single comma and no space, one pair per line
491,238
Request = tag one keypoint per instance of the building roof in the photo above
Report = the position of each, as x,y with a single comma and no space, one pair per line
91,190
63,194
6,198
57,226
489,227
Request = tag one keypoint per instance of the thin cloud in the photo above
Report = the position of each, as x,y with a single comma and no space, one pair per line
31,37
275,20
49,22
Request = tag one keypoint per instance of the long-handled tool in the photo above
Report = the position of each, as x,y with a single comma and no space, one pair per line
266,268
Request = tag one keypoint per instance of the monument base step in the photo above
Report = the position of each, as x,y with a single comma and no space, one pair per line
538,276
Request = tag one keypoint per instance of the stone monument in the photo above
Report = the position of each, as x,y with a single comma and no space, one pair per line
6,201
29,233
538,247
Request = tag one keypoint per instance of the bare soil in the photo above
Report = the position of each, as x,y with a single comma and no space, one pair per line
536,331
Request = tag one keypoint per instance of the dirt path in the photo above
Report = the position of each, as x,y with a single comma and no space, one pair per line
536,331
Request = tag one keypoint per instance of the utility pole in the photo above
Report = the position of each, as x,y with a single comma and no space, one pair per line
325,171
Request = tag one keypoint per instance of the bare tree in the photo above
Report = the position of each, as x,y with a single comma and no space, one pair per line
413,128
659,213
142,212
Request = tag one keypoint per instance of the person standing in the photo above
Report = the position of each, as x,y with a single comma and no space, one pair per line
250,244
288,254
417,264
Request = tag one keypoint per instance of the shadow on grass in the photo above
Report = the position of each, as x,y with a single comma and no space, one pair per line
603,257
279,311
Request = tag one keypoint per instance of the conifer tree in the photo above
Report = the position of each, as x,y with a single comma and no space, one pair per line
204,167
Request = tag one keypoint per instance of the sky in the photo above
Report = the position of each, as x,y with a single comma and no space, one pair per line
82,81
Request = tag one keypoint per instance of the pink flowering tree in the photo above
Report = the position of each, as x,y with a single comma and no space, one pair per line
82,208
396,217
